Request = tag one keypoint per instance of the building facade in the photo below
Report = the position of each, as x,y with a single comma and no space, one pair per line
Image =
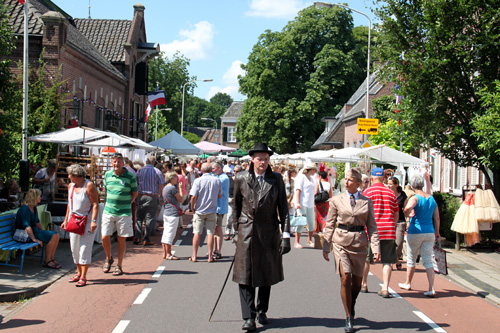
103,63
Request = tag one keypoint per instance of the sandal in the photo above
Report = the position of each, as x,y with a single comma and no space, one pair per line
172,258
217,255
51,264
75,278
118,271
192,260
399,266
82,283
107,265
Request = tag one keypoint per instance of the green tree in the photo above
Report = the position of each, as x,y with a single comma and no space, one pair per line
296,76
46,100
221,99
450,54
171,74
10,103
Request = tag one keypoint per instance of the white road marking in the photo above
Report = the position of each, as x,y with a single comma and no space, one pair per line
392,292
142,296
429,321
158,272
179,241
122,325
184,233
190,225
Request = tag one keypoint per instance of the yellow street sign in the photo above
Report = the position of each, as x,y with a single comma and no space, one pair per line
367,144
367,126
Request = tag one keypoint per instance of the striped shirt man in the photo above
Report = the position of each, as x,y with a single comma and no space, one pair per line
149,180
384,206
119,190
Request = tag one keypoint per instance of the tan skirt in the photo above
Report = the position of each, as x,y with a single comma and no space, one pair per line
352,258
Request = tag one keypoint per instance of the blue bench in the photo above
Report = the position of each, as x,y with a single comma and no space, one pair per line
7,229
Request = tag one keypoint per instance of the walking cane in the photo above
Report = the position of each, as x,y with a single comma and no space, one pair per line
223,286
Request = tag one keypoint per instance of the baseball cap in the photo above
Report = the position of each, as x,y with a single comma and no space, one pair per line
377,172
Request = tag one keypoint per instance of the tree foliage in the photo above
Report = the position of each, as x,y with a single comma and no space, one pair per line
10,102
171,74
214,109
451,52
296,76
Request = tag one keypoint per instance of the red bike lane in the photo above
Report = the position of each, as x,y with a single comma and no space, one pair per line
454,309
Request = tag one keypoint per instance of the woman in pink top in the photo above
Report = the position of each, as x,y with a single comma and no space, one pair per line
183,183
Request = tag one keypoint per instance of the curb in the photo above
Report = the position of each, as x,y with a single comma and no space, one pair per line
18,295
472,288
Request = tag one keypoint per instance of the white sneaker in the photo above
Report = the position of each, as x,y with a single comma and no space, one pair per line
298,246
430,293
311,244
404,286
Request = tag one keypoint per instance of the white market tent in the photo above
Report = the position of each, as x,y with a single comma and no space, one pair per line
177,144
92,138
209,147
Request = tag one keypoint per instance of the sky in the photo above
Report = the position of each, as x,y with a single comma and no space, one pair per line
216,35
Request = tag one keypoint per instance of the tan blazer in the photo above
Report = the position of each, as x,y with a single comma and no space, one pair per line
362,215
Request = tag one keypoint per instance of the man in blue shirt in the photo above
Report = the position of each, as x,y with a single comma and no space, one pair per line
204,193
222,208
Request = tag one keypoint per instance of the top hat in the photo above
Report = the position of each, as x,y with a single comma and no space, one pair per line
260,148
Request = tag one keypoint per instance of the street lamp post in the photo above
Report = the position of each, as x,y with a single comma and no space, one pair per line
156,128
327,4
183,93
215,126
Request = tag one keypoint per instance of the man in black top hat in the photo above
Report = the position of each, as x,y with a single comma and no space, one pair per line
263,234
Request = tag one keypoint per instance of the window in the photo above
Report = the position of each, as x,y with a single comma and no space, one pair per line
231,134
99,117
354,144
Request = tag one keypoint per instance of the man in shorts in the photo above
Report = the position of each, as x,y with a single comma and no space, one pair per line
204,193
121,190
222,208
386,211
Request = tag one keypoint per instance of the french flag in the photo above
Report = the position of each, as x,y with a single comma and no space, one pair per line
156,98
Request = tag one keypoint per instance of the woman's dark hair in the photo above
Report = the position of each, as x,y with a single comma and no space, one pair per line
323,174
394,180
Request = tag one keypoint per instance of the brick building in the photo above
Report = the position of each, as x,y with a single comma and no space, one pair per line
228,124
103,63
341,130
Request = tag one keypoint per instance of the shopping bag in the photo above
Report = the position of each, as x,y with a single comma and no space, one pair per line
439,260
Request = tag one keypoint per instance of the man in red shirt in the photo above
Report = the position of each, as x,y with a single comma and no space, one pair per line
386,211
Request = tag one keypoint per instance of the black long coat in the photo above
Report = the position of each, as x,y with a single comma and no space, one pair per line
259,213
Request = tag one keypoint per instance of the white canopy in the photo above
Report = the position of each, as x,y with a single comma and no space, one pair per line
90,137
177,144
209,147
381,153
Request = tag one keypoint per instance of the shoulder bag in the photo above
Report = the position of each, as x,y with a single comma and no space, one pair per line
298,221
76,223
322,196
178,209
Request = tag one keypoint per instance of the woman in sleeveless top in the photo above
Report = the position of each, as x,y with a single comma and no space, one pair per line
82,200
422,233
172,193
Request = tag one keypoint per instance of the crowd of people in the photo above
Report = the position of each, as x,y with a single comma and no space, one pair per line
240,201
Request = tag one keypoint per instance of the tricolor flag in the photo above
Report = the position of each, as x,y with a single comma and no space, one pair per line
148,112
156,98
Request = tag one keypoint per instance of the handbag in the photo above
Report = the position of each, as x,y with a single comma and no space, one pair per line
298,221
178,209
76,223
322,196
439,260
20,235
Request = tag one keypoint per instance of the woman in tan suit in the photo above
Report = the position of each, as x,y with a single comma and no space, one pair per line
347,217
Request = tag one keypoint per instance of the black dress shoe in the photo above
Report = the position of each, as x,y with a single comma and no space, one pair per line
349,325
353,311
262,318
249,325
